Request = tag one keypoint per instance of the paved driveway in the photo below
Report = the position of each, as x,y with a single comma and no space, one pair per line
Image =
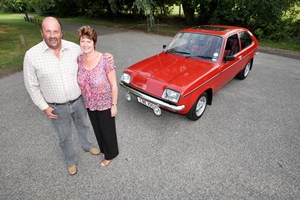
246,146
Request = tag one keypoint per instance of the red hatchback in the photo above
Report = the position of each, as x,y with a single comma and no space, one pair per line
197,63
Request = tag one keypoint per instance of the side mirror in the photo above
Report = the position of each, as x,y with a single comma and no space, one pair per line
229,58
164,46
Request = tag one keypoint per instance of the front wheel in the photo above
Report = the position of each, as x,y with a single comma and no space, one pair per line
198,108
244,73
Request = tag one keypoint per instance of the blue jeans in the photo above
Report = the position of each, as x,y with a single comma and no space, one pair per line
67,113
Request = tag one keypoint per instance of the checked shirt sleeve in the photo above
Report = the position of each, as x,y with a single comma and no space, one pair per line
32,84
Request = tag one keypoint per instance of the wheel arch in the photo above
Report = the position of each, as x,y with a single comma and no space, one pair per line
251,63
209,96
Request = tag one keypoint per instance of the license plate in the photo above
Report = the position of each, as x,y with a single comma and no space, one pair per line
146,103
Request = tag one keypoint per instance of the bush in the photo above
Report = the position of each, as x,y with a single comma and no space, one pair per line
258,33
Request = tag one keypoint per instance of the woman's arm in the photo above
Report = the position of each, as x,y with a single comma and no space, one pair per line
112,77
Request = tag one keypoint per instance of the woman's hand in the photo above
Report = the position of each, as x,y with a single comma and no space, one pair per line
113,110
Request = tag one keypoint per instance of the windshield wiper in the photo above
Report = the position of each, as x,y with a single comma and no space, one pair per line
176,51
199,56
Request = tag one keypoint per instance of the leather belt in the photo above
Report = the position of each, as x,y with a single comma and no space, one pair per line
67,103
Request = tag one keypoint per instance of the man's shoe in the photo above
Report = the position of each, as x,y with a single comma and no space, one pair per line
94,151
72,169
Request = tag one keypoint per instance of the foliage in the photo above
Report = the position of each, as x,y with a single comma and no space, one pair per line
147,7
14,5
68,8
263,17
258,33
42,5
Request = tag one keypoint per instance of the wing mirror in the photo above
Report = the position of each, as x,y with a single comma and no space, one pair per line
229,58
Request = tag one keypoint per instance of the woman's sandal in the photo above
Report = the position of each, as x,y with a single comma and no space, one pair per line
104,163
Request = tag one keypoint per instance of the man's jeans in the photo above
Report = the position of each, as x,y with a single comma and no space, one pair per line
77,112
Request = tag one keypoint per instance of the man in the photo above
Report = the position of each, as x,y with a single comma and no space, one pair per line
50,77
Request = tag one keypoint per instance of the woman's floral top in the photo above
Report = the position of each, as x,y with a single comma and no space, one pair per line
94,84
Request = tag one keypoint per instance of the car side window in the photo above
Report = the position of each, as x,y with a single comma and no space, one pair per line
232,45
246,39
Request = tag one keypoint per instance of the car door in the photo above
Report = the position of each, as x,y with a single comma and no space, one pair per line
246,42
230,68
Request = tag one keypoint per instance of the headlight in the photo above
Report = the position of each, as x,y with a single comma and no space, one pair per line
171,95
126,78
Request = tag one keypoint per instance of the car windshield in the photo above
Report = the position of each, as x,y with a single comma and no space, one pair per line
196,45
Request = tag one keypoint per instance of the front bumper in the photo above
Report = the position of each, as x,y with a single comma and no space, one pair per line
158,102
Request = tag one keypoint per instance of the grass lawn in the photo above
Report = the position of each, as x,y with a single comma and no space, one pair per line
12,26
12,50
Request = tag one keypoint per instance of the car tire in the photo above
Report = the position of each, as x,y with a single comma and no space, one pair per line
198,108
244,73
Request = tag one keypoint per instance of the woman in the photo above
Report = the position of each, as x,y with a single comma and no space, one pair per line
97,80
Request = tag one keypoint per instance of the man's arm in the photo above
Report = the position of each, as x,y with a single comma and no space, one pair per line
110,58
32,84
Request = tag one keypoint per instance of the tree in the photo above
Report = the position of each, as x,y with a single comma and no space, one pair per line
14,5
146,6
42,5
189,7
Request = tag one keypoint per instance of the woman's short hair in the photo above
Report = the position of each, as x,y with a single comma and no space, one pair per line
88,32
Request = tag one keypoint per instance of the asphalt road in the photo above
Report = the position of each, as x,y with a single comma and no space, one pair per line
246,146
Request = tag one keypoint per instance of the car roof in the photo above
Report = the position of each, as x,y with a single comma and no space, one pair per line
220,30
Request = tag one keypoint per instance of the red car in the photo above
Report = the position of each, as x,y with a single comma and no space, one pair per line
197,63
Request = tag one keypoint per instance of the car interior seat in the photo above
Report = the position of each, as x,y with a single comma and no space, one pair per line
228,49
234,45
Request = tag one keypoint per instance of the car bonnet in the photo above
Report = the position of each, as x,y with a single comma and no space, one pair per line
161,71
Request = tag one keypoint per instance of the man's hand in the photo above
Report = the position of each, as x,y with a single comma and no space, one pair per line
48,112
110,58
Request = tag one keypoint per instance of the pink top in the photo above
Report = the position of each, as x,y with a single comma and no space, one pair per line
94,84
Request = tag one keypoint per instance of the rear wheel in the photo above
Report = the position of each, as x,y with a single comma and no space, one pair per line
198,108
244,73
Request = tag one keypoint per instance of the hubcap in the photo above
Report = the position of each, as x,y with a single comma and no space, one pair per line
127,96
247,69
201,106
157,111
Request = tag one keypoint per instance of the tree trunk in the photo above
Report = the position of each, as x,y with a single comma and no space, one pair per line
189,11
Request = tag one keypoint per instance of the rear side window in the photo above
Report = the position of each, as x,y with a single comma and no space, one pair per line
246,39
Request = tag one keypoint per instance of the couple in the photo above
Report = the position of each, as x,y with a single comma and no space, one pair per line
68,81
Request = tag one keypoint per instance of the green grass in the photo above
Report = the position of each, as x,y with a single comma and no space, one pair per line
293,45
11,50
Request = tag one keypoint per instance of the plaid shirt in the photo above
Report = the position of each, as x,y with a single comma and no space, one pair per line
51,79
